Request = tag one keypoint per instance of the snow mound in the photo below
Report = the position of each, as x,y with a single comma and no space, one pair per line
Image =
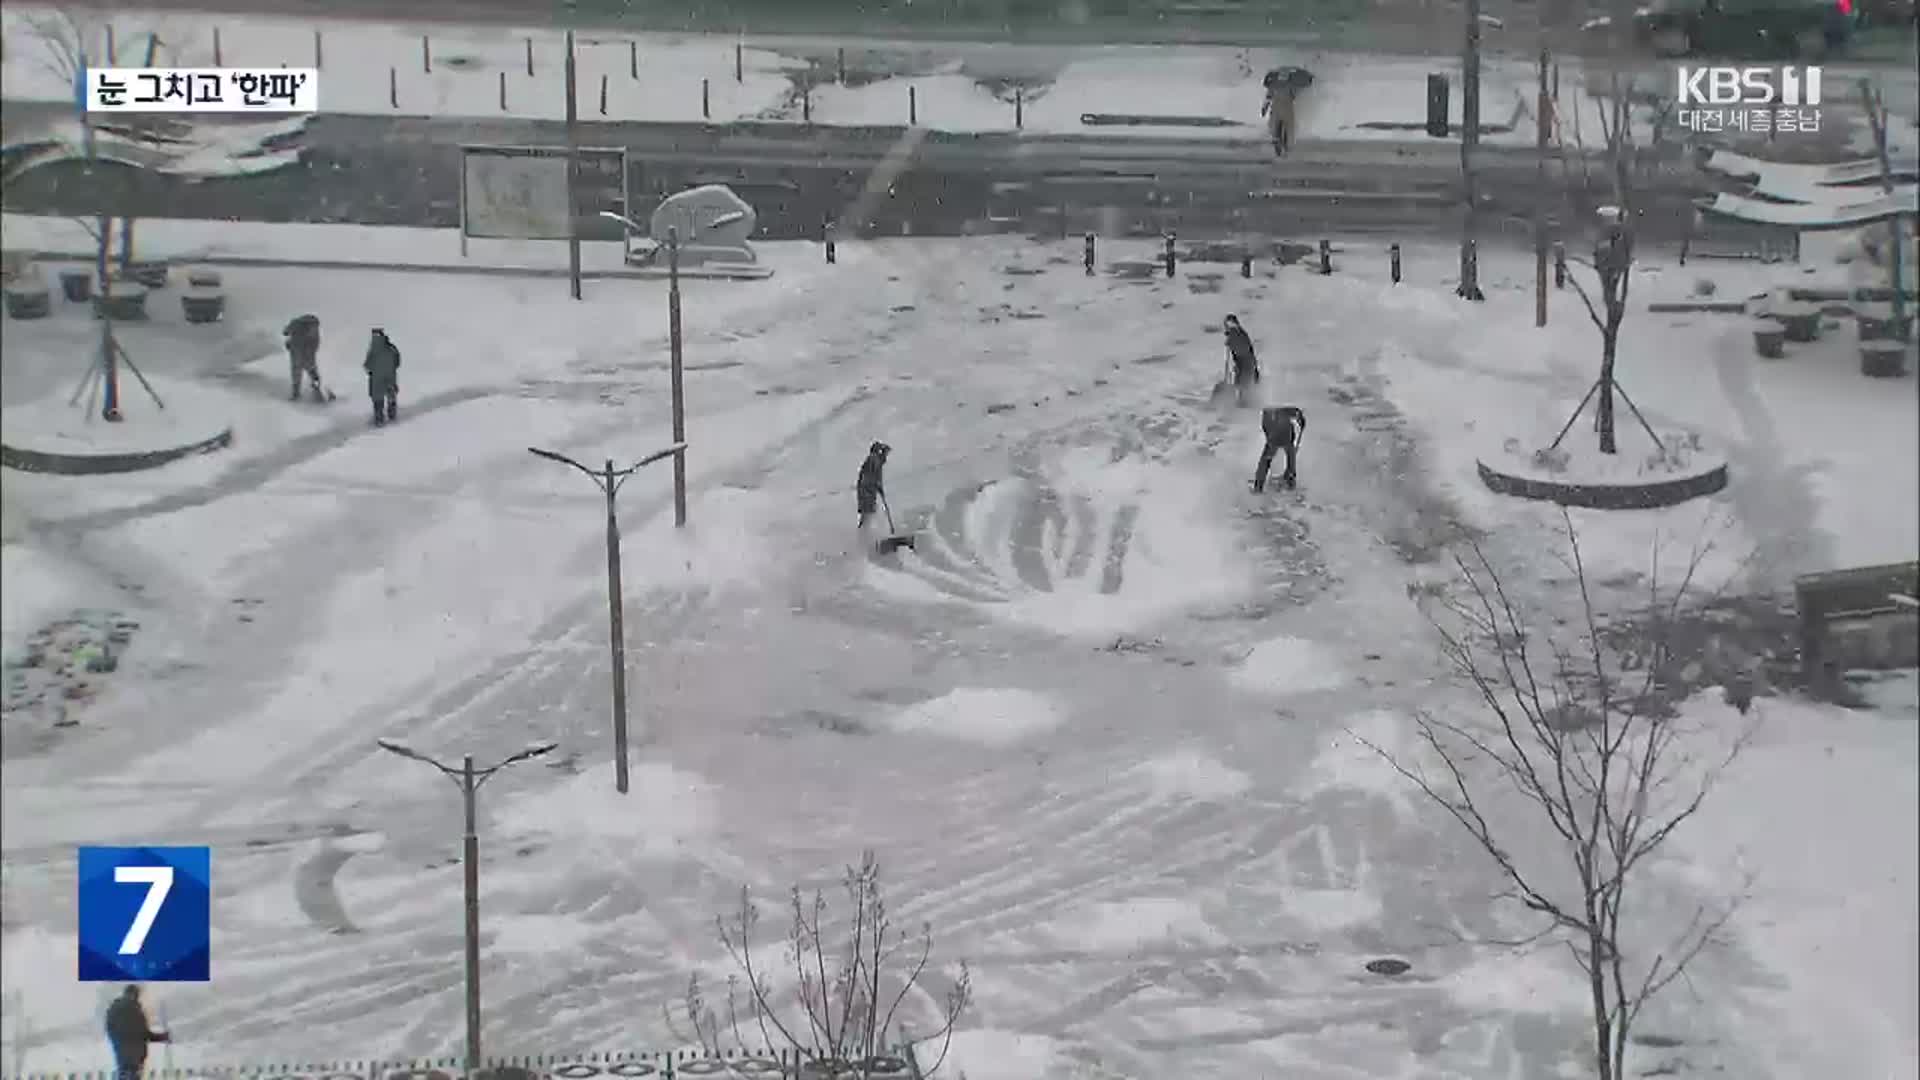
1332,909
989,1054
989,717
1190,774
725,544
1542,981
1349,764
664,811
1289,665
36,587
1125,925
537,935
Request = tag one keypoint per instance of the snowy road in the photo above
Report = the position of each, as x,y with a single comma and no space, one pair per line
1095,730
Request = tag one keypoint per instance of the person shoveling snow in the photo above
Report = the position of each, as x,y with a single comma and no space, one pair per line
1243,366
302,336
1284,427
870,495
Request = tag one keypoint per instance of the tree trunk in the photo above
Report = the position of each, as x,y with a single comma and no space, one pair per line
109,368
1609,344
1606,1067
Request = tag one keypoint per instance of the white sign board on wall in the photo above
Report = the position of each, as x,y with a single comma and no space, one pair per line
520,192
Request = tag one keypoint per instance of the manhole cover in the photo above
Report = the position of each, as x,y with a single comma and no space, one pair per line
1389,966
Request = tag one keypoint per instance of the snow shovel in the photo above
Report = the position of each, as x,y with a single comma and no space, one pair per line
895,539
1224,391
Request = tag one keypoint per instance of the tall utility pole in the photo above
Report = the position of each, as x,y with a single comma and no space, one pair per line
609,479
1469,140
1544,119
469,779
677,369
573,171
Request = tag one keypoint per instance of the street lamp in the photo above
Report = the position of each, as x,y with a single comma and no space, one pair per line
676,368
608,480
469,779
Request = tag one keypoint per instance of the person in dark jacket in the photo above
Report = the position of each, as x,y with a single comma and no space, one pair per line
303,353
1246,366
383,376
871,487
129,1032
1284,425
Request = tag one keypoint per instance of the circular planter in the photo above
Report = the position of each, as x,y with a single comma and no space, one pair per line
203,305
1883,359
1769,339
1389,966
29,300
127,304
151,274
1508,475
1801,321
76,286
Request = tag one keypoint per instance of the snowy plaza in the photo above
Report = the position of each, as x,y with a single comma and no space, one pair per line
1140,746
1106,729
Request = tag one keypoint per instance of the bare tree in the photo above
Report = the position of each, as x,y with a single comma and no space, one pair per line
840,999
1611,260
1582,735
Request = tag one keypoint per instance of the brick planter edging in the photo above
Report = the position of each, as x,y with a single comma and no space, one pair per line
62,464
1647,496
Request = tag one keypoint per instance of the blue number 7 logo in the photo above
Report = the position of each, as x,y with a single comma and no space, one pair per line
145,914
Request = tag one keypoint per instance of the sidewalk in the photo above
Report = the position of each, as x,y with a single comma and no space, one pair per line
343,247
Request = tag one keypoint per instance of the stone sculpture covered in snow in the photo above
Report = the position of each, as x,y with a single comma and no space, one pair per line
712,222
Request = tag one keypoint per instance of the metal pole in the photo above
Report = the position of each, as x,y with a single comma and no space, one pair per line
573,166
1544,122
616,634
1469,140
677,353
470,857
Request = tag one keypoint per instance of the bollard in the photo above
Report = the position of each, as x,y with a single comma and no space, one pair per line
1326,257
913,107
426,55
1168,256
503,91
1019,109
603,95
1393,261
393,87
633,59
317,65
216,48
706,100
840,64
1559,265
1246,264
529,56
806,105
828,232
113,54
739,62
1089,254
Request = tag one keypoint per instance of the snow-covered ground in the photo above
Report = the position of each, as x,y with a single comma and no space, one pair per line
1103,728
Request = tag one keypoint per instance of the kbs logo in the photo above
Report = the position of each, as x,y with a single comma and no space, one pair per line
1786,86
145,914
1755,100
